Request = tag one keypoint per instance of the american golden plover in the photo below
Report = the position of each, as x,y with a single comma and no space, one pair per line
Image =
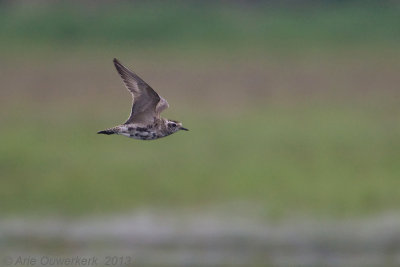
145,122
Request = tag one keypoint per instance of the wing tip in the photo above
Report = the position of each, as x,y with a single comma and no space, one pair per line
120,67
116,61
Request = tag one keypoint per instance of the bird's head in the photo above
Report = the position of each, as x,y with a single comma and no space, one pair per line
174,126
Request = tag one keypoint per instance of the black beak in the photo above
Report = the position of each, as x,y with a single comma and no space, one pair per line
183,129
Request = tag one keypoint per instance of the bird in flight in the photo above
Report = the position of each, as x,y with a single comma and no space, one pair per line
145,122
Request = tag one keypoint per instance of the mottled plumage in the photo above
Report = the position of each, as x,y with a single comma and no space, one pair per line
145,122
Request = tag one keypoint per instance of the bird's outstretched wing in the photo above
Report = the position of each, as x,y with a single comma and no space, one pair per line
146,104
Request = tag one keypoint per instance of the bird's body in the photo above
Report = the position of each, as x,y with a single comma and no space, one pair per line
160,128
145,122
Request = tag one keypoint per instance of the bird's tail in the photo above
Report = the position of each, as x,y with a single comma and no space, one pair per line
108,131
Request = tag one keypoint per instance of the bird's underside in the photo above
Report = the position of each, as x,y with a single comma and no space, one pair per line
144,122
149,132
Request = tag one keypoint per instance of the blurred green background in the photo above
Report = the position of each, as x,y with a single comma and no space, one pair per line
293,106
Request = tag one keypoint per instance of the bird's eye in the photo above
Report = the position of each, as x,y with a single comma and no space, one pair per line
173,125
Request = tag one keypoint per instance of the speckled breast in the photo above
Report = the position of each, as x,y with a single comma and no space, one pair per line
143,135
140,133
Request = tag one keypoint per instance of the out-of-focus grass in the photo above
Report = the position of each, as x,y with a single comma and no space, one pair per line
328,160
336,154
195,26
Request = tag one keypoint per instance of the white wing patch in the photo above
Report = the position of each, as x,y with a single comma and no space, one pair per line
161,106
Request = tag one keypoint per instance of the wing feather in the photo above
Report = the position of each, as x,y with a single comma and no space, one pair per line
146,103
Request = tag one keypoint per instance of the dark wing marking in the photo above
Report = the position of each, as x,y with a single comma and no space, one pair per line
146,103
